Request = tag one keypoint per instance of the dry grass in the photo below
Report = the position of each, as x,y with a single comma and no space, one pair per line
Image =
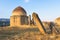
16,33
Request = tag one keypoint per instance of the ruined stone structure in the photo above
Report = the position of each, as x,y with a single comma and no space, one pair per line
19,18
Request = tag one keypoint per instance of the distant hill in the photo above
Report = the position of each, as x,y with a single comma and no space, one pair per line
4,22
4,19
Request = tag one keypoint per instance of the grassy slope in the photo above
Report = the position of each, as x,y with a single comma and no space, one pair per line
21,34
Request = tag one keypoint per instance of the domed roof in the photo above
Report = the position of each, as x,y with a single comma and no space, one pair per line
57,20
19,11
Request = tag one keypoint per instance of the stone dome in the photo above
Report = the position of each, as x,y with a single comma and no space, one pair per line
19,11
57,20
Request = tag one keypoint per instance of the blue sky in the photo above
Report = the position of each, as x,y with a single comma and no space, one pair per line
47,10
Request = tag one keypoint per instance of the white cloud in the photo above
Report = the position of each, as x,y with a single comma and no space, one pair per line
26,1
